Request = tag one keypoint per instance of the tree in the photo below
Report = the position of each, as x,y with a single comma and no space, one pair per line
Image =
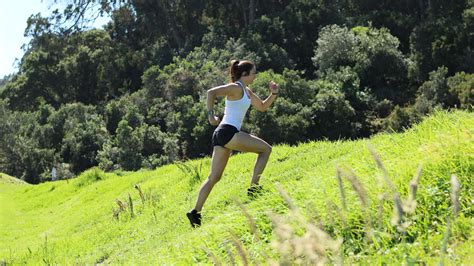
130,145
372,53
21,154
82,140
443,38
289,118
335,47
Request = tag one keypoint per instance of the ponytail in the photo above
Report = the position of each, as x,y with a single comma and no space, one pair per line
234,67
237,68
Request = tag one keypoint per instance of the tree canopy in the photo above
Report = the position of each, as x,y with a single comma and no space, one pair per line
132,94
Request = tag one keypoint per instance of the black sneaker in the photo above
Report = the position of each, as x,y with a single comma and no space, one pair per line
254,190
194,218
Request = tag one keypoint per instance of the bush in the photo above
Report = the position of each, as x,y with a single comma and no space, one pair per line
400,119
108,157
461,86
288,119
130,145
434,93
332,114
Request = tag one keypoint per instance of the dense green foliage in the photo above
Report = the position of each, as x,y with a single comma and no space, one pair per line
139,217
132,95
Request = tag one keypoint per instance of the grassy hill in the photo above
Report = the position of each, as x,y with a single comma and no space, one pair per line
5,179
300,218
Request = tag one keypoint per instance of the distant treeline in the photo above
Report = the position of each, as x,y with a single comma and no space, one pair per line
132,94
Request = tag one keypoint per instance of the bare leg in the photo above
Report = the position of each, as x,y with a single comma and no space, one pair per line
260,164
220,156
248,143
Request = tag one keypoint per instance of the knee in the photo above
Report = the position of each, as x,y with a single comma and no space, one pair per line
268,149
213,178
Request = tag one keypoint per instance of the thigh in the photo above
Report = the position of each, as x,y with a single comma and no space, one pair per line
245,142
220,156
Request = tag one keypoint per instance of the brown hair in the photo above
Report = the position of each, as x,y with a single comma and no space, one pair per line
237,68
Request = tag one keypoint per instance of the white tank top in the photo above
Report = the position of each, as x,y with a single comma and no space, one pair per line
234,112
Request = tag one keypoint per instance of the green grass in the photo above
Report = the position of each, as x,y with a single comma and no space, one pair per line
73,222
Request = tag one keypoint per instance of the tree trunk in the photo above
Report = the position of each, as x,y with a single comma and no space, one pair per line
244,12
251,11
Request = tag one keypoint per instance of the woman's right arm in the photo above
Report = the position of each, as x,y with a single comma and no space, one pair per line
223,91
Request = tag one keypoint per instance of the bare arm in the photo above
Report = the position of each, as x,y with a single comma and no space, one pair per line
223,91
260,105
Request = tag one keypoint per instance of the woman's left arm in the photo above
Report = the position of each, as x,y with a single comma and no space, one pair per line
260,105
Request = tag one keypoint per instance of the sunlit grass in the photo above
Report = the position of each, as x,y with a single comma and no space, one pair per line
76,221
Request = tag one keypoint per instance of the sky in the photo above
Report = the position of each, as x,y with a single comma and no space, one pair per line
13,16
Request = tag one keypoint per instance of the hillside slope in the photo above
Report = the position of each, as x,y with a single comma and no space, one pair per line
81,221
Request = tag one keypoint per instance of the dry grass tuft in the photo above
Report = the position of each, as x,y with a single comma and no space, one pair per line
314,247
410,204
455,188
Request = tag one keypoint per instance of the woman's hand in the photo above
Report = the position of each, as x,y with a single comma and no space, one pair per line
213,120
273,87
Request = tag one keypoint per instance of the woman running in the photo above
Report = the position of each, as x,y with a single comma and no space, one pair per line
228,137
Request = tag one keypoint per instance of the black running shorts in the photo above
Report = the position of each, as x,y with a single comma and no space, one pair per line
223,134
